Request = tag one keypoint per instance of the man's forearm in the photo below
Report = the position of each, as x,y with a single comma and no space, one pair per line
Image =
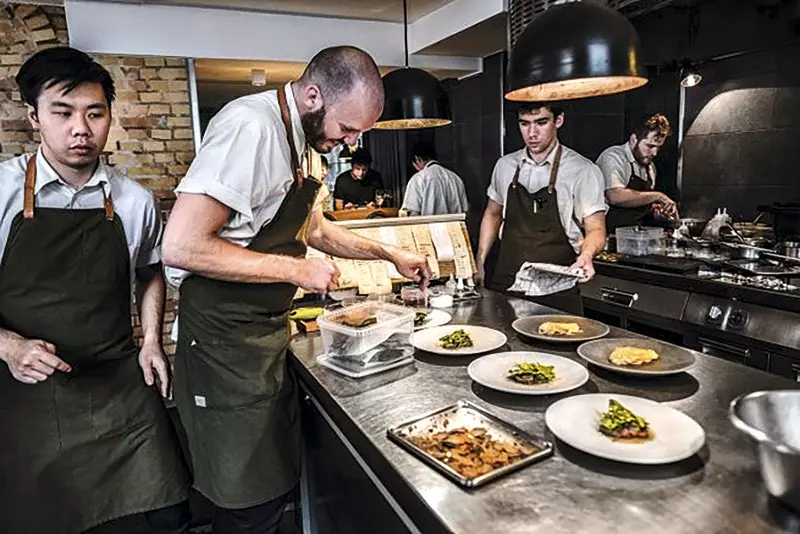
332,239
490,229
628,198
593,243
150,296
9,341
217,258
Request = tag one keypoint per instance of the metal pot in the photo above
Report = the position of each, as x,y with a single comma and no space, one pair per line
772,420
791,249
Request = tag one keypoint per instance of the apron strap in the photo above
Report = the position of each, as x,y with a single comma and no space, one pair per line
515,179
649,181
30,186
287,125
554,170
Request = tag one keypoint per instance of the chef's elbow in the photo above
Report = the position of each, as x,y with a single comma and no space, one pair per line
173,249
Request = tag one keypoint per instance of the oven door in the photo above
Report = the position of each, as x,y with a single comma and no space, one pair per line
733,352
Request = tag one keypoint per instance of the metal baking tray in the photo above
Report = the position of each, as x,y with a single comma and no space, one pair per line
467,415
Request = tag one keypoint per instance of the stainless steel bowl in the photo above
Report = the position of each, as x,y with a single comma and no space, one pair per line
772,419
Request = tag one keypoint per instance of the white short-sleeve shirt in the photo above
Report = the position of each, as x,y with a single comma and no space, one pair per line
617,163
579,186
435,190
135,205
244,162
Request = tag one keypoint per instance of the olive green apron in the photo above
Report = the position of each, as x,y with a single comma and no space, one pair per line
82,448
618,217
533,232
237,400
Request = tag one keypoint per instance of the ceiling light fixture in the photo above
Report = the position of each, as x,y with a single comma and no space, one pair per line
258,77
413,98
575,50
690,76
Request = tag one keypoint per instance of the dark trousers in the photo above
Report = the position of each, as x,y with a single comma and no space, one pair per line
261,519
170,520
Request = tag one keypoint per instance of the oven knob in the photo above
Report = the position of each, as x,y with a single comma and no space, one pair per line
715,314
737,319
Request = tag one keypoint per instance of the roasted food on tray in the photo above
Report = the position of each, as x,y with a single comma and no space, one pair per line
471,452
532,373
551,328
457,340
621,424
632,356
357,319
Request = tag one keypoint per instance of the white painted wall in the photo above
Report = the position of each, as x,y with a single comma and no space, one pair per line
146,29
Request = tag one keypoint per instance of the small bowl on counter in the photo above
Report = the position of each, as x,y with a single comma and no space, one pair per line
772,420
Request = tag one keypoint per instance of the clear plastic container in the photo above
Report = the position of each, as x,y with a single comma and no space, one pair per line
640,241
387,337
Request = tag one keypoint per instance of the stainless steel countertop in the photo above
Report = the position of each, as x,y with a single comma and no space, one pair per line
718,490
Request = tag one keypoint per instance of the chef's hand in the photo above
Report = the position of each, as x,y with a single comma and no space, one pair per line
480,276
349,206
318,275
155,368
413,266
34,360
584,262
667,206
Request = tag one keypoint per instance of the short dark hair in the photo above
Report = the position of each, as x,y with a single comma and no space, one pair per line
361,156
65,66
656,123
556,108
423,151
337,69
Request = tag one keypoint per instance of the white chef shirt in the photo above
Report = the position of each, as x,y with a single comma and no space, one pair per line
245,164
615,163
579,186
435,190
135,205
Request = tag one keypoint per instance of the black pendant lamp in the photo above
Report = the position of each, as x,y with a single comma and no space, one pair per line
575,50
413,97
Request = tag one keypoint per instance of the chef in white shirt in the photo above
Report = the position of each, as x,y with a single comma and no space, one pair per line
630,176
545,203
244,216
434,189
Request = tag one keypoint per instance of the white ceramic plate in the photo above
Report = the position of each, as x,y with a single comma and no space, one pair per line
483,339
492,371
575,420
435,318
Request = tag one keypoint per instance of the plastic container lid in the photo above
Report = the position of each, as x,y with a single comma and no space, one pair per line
386,316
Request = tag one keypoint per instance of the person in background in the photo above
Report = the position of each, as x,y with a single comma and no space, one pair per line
325,169
546,205
630,176
86,442
357,187
236,243
434,189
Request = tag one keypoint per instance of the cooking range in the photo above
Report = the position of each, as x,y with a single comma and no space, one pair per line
730,327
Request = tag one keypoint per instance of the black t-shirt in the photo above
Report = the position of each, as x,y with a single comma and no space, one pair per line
358,192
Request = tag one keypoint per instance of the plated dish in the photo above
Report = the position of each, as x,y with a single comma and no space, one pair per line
637,356
528,373
560,328
458,340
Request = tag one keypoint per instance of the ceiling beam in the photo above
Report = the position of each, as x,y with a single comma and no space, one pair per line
158,30
450,19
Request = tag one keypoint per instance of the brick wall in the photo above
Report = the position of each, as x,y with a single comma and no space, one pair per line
151,135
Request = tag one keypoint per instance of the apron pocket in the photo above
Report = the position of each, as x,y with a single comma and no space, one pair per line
225,375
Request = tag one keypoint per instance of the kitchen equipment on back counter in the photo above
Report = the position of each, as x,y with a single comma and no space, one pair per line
786,220
640,240
790,249
688,226
772,420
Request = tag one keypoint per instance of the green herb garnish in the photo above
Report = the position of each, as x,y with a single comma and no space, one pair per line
619,417
457,340
532,373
